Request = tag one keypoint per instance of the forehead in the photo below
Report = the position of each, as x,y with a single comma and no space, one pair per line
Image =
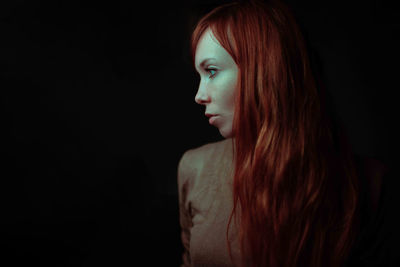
208,47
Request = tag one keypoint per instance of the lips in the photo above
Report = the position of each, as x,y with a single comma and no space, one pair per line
212,117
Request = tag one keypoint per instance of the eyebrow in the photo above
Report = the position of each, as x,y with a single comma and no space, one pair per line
204,62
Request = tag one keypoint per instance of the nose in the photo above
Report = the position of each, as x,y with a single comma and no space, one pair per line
202,97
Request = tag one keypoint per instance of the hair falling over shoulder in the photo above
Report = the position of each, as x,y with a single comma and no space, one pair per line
295,186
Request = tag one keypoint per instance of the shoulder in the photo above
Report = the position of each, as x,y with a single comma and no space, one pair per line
373,171
196,159
376,241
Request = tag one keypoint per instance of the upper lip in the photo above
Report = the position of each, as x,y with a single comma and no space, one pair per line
210,115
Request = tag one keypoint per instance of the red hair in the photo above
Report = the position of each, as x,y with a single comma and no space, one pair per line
295,184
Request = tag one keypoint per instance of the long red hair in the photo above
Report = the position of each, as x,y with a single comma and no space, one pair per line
295,184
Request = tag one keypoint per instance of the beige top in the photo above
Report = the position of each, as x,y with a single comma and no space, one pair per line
205,176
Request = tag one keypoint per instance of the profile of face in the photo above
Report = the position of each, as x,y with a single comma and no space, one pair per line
218,81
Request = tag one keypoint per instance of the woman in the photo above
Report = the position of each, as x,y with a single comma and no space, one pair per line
283,189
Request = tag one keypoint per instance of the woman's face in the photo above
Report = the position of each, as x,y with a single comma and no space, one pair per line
218,82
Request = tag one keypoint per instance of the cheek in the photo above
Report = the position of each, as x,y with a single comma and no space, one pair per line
225,91
229,95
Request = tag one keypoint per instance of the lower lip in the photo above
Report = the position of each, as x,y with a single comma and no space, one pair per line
212,119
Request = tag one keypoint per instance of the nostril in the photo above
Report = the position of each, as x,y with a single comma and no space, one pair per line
200,100
202,95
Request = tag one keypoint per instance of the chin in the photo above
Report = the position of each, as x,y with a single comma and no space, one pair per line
226,133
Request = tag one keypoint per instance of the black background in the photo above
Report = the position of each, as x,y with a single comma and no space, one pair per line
97,104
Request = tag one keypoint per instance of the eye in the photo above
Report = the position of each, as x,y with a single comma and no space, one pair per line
212,72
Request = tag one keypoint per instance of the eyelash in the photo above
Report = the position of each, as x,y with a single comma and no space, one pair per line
209,71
